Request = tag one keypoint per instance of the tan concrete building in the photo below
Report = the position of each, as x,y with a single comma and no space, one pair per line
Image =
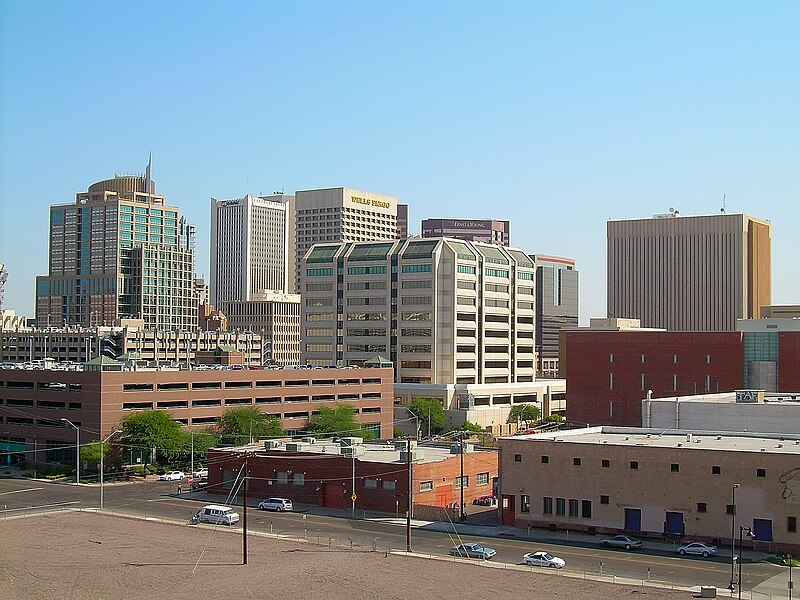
689,273
776,311
656,484
276,317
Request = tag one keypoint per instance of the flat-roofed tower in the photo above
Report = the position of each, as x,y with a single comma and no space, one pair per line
689,273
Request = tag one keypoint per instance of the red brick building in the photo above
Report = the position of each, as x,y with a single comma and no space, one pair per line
320,475
609,370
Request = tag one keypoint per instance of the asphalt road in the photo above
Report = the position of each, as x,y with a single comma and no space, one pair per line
156,499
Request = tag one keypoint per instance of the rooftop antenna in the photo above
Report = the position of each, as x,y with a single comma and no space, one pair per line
722,210
3,278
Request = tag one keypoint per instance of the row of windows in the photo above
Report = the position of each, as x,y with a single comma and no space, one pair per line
634,465
480,479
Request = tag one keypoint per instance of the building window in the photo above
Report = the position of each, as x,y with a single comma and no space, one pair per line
610,358
643,358
576,462
605,463
634,464
716,470
482,479
643,383
547,505
298,478
545,459
282,477
561,506
603,499
525,504
761,472
729,509
791,524
425,486
573,507
611,381
518,458
460,480
675,468
586,509
702,507
389,484
371,484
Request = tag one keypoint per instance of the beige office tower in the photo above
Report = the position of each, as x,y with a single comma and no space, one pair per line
340,215
444,311
689,273
276,317
118,252
249,248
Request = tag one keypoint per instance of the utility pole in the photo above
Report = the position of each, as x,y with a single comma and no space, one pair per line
410,495
463,514
244,512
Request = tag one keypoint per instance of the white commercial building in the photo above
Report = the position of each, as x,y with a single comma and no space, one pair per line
249,247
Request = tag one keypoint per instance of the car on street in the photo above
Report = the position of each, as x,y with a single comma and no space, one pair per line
698,548
201,474
217,514
473,550
622,541
172,476
543,559
276,504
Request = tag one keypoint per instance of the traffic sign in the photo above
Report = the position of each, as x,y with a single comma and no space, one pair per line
353,497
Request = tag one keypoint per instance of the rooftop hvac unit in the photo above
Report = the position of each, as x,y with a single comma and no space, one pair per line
270,444
456,448
310,440
401,446
351,451
416,454
297,447
350,441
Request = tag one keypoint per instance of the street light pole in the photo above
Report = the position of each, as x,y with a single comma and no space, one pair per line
102,454
77,450
463,514
733,535
742,529
353,484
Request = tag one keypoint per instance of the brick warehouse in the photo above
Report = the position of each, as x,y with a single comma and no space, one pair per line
322,476
611,365
33,402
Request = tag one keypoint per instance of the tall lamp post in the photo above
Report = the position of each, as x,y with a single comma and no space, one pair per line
733,535
102,454
77,450
749,531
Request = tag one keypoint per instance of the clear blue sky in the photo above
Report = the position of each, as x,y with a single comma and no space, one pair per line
554,115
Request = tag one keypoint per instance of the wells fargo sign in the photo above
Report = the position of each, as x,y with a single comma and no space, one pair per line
370,202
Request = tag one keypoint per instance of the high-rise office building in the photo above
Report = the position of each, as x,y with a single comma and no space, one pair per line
340,215
689,273
118,252
249,247
488,231
443,311
556,307
402,221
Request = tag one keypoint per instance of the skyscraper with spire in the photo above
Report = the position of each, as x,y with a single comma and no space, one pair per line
118,252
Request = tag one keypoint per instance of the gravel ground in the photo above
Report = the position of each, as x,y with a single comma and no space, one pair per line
87,555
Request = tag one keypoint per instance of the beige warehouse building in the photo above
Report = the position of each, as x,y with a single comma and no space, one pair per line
655,484
689,273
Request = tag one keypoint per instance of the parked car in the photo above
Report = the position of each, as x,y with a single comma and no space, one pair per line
172,476
485,500
543,559
201,474
699,548
276,504
217,514
622,541
473,550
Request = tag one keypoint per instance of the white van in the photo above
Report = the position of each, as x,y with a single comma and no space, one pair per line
218,514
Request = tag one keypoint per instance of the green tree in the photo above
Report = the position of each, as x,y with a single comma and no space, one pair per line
524,413
153,429
469,426
198,442
430,413
240,425
553,418
340,421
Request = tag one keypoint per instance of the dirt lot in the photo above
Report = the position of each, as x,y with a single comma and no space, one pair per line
87,555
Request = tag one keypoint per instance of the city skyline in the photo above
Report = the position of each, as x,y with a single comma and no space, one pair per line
556,118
